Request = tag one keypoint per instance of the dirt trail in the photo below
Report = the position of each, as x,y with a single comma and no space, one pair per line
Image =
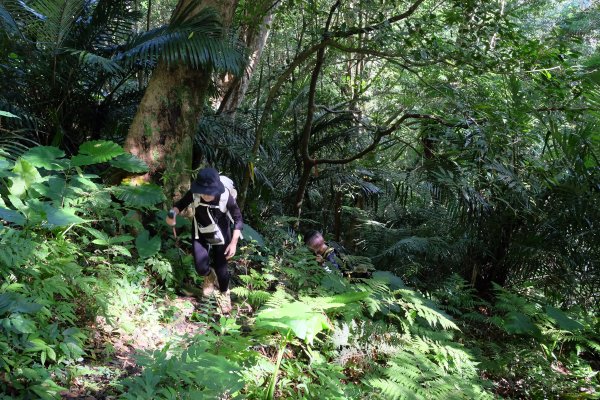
111,356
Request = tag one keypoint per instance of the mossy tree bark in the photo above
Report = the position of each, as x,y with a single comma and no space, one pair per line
162,131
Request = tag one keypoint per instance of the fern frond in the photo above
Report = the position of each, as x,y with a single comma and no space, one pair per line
592,345
258,297
241,291
411,373
392,390
424,308
16,249
278,299
10,144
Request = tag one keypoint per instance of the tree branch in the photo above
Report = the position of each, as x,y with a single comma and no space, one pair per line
385,132
377,26
313,89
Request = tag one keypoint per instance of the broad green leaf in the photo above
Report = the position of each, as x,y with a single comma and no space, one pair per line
46,157
129,163
101,237
12,216
101,148
26,175
332,302
84,182
147,246
14,302
139,196
251,234
346,298
122,250
53,188
17,203
5,165
82,160
36,344
96,152
33,209
51,353
61,216
297,316
20,324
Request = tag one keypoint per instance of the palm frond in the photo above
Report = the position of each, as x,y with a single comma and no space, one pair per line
196,42
89,59
110,24
56,20
14,144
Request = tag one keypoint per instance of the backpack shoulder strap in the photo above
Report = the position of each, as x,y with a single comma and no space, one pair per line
222,206
223,201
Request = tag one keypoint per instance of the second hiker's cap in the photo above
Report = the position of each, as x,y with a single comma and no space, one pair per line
208,182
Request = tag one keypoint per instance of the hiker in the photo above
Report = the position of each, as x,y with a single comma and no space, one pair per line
332,260
214,207
325,255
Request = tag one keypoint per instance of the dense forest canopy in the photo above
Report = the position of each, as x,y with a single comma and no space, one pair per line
448,151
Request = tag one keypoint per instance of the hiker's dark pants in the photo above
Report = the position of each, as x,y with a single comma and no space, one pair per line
201,259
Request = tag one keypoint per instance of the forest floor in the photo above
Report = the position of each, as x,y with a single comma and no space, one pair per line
112,353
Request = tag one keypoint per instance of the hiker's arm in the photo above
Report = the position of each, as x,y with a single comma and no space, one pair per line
232,246
236,214
238,225
178,206
185,201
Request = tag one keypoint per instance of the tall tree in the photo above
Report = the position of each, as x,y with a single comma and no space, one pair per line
163,128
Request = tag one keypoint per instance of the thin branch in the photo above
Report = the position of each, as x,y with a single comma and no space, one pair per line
379,25
312,91
563,108
382,133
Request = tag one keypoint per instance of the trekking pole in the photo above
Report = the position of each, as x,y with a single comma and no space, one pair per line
172,215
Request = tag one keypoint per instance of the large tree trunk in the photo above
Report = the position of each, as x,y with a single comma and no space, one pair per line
162,131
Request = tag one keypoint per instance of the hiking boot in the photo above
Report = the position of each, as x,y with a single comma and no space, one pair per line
210,283
224,301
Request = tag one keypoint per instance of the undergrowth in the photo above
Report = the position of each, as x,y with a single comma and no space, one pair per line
85,265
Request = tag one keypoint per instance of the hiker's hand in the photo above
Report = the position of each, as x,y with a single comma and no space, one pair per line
230,250
172,220
320,259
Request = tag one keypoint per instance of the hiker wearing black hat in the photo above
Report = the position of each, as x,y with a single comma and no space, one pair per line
214,207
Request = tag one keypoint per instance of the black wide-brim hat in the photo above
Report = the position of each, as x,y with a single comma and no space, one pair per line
208,182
